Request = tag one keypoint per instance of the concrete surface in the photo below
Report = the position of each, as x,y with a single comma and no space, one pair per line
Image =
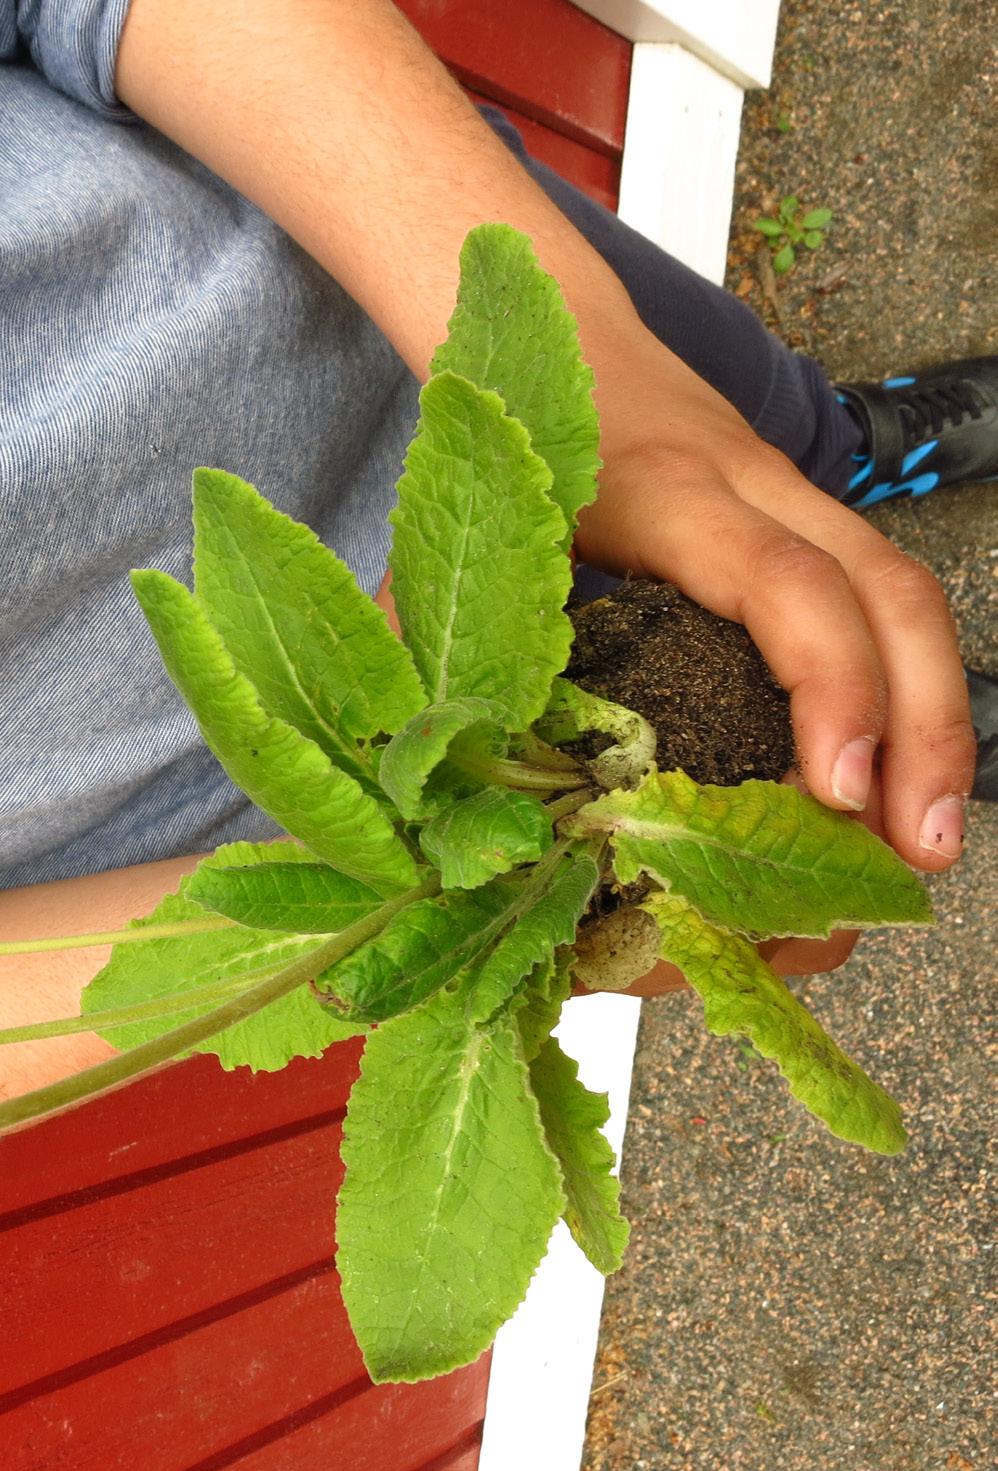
788,1301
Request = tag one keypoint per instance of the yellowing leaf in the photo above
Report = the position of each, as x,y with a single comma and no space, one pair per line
741,993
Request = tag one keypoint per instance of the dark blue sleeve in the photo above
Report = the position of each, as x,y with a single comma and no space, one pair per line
73,43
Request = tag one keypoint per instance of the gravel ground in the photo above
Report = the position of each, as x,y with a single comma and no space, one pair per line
789,1302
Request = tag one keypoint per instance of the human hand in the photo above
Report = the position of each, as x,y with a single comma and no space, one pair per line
858,633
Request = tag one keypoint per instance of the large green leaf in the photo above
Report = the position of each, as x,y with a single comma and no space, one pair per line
419,951
573,1119
410,758
741,993
557,898
302,898
487,833
537,1005
761,858
284,773
318,651
479,574
450,1195
512,332
141,970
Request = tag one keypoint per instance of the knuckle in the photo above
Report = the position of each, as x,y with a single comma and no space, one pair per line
781,556
954,742
908,586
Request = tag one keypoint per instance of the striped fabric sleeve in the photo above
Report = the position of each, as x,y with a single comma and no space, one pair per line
73,43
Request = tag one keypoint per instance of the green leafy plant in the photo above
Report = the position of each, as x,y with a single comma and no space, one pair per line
792,227
438,894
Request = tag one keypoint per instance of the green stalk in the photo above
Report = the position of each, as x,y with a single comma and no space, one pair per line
151,1055
142,1011
500,771
118,937
569,803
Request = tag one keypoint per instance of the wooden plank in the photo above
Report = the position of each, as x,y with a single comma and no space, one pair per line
275,1384
183,1312
546,58
152,1125
678,174
735,37
128,1266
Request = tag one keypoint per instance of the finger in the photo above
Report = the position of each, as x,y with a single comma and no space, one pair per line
929,747
800,957
793,597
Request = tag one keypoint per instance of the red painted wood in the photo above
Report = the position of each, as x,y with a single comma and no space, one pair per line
544,57
270,1386
153,1123
592,172
168,1297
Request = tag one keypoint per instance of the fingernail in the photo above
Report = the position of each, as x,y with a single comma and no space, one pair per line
852,773
942,827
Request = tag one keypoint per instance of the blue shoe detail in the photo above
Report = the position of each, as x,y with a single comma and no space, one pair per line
916,456
919,485
863,473
898,382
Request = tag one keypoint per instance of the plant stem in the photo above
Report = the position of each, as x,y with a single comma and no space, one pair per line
120,1016
151,1055
536,752
518,774
570,802
119,937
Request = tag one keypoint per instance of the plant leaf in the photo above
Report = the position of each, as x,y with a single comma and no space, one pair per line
816,219
556,901
282,771
784,259
789,206
479,574
573,1119
318,651
537,1005
294,1026
512,332
444,1152
769,227
300,897
813,239
762,858
572,711
421,745
419,951
742,994
488,833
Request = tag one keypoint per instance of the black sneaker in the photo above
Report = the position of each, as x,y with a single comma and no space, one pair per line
924,430
984,713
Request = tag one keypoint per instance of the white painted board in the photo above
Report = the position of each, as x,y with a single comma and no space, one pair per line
735,36
680,149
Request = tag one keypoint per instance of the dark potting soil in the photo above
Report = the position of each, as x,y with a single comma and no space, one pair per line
698,679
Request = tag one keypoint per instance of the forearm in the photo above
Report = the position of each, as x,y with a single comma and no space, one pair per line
335,118
46,985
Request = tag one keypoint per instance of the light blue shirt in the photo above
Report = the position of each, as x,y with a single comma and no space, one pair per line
151,320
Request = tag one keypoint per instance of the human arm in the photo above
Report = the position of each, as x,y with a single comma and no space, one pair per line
338,122
47,984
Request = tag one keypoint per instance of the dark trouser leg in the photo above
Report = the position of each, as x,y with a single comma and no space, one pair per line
784,396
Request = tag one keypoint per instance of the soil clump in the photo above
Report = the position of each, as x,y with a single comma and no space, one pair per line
698,679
